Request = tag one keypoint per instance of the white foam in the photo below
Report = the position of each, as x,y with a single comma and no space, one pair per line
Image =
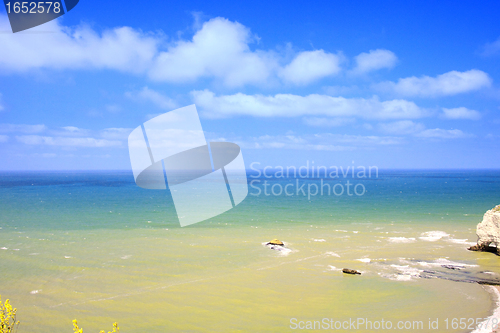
403,277
333,254
405,273
401,240
67,257
3,248
33,292
444,261
365,260
283,250
432,236
487,325
461,241
319,240
333,268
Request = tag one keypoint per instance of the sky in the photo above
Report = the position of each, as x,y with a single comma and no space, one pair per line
399,85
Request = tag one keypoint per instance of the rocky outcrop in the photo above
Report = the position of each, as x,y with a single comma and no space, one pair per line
279,246
275,242
350,271
488,232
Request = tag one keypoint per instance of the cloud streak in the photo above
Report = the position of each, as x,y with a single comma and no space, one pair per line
319,142
374,60
289,105
22,128
402,127
439,133
150,95
447,84
460,113
491,49
68,136
67,142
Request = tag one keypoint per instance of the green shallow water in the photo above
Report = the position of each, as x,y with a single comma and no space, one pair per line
111,252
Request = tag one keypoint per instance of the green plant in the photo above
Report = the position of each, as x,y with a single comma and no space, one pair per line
8,321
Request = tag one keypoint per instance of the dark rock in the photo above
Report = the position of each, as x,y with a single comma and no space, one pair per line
483,248
454,267
350,271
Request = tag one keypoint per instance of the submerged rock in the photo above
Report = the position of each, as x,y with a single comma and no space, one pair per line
279,246
275,242
488,232
350,271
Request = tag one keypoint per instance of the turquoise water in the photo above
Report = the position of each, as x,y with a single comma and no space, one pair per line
95,247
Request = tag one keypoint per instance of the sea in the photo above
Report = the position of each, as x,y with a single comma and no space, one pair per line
95,247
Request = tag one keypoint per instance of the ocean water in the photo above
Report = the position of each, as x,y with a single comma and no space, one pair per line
95,247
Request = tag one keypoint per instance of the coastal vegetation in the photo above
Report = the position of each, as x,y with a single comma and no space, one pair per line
77,329
8,321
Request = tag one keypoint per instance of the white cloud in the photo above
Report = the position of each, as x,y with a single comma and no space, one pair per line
1,105
310,66
321,141
21,128
115,133
4,138
374,60
460,113
446,84
288,105
328,122
123,49
68,136
219,49
443,134
66,142
70,131
402,127
149,95
491,49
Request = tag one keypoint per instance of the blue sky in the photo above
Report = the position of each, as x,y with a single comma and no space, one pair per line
396,85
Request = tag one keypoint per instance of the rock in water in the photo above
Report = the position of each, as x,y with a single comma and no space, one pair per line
279,246
488,232
275,242
350,271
